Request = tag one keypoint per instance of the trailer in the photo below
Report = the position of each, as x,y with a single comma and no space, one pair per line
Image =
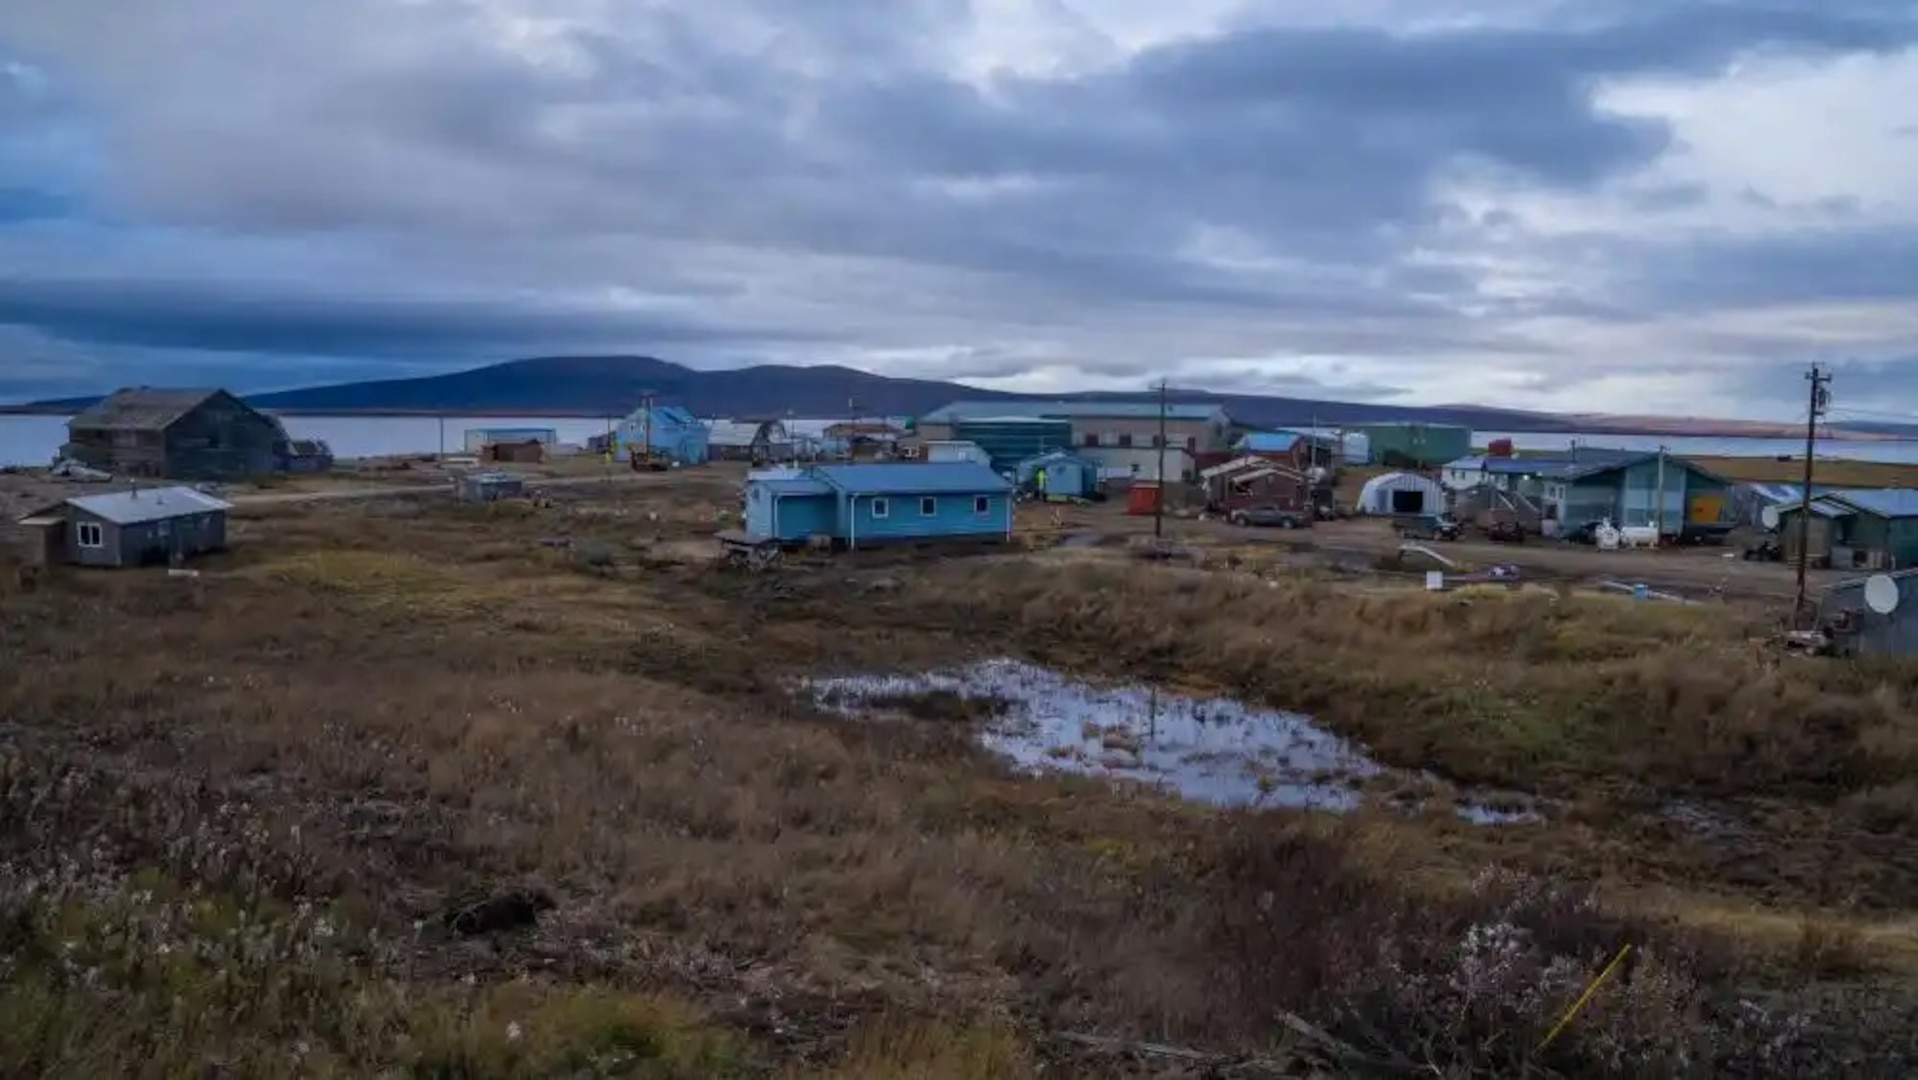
741,550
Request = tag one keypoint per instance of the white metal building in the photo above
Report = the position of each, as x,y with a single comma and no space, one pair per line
946,450
1466,472
1401,493
1140,462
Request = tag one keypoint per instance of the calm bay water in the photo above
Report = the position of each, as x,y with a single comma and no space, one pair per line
32,440
1904,452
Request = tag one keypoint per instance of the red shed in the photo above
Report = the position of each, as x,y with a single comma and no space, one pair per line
1142,497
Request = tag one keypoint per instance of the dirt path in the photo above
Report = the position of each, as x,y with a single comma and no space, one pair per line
401,491
1688,571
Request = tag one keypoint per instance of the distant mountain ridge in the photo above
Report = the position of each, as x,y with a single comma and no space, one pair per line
602,386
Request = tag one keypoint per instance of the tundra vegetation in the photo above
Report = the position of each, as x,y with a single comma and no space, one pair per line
239,809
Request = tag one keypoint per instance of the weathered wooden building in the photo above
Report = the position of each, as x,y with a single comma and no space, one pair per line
303,456
179,434
140,527
747,440
1256,481
1865,529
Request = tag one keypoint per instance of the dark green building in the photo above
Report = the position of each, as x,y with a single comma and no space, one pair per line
1408,444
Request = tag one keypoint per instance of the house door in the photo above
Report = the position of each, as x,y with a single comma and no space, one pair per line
1705,509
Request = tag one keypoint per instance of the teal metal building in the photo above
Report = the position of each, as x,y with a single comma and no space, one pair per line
1680,498
1009,440
1060,474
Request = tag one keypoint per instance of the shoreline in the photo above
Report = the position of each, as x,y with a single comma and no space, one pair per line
1730,429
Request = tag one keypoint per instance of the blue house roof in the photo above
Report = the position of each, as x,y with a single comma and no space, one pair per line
1557,465
910,478
672,414
792,485
1058,455
1789,493
1269,442
1133,410
1878,502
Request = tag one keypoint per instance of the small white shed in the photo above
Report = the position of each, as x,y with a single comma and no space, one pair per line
1401,493
948,450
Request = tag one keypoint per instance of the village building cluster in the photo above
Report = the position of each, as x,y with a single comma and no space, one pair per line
956,472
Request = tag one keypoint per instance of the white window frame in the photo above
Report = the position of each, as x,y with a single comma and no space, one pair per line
982,504
81,530
928,506
882,508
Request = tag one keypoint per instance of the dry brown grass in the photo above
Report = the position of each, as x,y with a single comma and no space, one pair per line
369,710
1535,689
1867,474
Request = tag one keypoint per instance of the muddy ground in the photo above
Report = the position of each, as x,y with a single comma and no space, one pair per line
239,804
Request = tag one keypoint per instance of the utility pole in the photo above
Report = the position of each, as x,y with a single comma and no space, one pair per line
1658,506
1819,382
646,428
442,436
1158,504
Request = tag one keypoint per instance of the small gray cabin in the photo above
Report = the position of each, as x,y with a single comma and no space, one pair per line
144,527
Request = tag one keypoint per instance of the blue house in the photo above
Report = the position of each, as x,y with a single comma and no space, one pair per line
790,505
667,430
869,504
1060,474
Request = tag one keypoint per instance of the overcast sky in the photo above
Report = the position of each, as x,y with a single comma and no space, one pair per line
1646,206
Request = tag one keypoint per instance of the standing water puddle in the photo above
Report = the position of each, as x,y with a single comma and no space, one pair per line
1213,750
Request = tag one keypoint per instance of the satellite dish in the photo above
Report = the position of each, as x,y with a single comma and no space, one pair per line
1768,517
1881,594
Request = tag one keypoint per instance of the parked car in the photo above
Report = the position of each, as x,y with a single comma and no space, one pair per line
1505,532
1270,517
1765,550
1430,527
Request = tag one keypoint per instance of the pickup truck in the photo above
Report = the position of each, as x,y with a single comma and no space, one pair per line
1429,527
1270,517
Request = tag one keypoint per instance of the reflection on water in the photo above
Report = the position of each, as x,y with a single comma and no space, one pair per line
1208,749
1213,750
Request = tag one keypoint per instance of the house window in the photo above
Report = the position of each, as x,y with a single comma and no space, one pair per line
981,504
928,506
1125,441
88,533
1091,438
881,508
1191,442
1155,442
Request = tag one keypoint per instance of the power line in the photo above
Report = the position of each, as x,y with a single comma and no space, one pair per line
1819,383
